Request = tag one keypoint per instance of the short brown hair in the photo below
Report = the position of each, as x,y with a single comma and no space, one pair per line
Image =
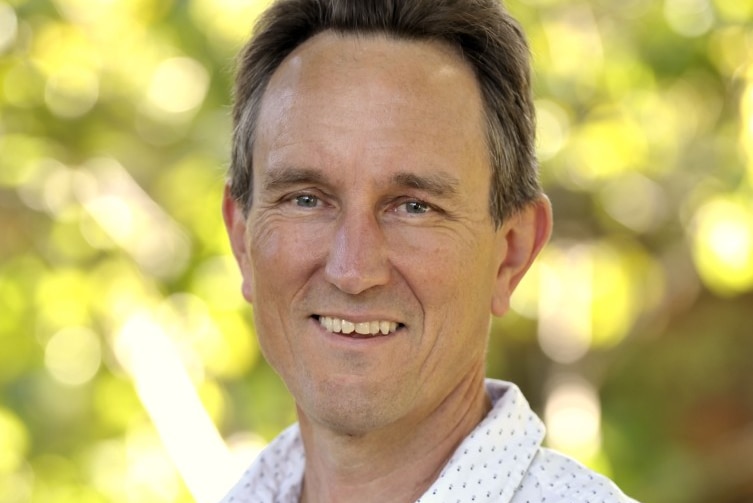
481,30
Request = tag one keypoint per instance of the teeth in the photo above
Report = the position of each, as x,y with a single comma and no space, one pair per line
337,325
363,328
326,323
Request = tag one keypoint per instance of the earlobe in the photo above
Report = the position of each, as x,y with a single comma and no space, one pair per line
522,237
235,225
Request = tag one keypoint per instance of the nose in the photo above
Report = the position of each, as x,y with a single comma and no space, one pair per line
357,257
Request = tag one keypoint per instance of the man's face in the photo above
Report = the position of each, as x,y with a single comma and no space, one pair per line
370,215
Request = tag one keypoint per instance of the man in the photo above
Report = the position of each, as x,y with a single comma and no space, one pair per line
383,202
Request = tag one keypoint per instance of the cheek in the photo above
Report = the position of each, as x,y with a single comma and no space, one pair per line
282,255
445,271
449,257
277,267
452,282
461,303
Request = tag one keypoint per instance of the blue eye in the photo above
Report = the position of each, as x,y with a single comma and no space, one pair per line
416,207
306,201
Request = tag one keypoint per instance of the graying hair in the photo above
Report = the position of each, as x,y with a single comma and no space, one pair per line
483,32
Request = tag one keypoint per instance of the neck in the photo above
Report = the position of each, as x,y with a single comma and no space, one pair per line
397,463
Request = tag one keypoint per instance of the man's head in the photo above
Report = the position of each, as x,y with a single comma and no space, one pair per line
369,251
479,30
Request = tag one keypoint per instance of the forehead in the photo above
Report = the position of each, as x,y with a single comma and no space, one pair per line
412,100
378,52
372,50
374,68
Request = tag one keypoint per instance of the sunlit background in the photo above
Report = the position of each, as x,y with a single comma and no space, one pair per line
129,371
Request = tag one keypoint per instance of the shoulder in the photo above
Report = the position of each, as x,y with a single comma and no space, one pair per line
275,475
556,478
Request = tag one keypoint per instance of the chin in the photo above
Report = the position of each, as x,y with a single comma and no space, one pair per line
351,412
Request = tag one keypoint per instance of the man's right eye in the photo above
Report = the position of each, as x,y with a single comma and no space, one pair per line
306,201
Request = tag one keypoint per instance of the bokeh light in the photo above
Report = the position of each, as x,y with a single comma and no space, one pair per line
178,85
690,18
723,245
73,355
166,388
573,417
8,26
566,297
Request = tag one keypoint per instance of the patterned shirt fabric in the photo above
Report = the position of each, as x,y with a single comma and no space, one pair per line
501,461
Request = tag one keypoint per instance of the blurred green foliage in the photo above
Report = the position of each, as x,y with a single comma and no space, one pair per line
117,287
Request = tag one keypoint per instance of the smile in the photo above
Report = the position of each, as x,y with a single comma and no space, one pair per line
340,326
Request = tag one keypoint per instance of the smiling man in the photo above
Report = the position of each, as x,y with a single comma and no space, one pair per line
383,203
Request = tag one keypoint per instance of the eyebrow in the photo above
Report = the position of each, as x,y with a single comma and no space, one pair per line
436,184
288,176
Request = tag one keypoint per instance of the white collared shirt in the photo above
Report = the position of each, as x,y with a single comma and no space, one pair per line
501,461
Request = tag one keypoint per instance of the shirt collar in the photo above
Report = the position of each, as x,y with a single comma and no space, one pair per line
491,462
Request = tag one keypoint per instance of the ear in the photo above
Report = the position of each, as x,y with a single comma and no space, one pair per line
521,238
236,227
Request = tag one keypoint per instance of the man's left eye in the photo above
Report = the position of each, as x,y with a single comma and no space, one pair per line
306,201
416,207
